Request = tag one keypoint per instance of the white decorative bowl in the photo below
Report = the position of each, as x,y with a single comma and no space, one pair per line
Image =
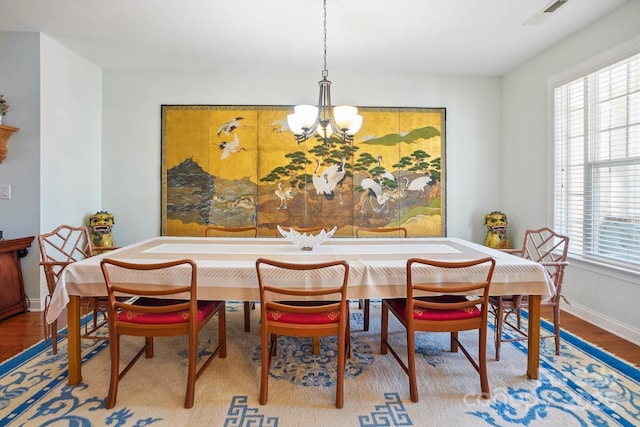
304,241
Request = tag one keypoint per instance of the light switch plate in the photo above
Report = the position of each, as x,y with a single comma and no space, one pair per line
5,191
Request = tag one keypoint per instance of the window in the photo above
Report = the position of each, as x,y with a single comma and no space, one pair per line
597,163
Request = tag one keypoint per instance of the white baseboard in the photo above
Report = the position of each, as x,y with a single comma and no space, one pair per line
36,305
598,319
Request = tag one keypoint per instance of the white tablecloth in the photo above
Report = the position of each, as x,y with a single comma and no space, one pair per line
226,266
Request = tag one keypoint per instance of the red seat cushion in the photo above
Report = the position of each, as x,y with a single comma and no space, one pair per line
304,318
204,309
419,313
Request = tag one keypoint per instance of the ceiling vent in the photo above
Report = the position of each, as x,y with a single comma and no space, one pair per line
545,13
554,6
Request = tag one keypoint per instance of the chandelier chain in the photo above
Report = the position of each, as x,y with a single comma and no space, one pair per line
325,73
342,121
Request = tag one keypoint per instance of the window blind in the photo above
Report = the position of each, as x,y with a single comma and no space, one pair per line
597,163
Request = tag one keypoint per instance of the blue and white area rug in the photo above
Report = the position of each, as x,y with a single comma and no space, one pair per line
584,386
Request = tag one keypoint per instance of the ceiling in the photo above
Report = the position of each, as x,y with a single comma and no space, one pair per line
464,37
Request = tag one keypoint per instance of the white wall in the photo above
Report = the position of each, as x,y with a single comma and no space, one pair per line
131,137
71,138
54,161
604,296
70,155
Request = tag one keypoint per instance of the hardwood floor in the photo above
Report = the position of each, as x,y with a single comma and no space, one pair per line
23,330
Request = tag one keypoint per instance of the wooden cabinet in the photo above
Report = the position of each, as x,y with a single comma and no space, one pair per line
12,296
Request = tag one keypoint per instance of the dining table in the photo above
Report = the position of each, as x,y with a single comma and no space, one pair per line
377,269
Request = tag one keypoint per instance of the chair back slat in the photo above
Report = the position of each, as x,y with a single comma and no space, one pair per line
545,245
381,232
127,279
289,281
480,273
550,249
61,247
219,231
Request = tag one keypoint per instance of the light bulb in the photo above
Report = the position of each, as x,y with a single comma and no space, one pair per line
344,116
294,124
325,132
355,126
307,115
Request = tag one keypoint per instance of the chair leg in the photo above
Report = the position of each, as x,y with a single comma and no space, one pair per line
265,358
45,331
50,328
453,338
114,348
342,349
482,362
411,363
45,327
556,327
384,328
222,331
149,347
499,321
348,334
247,315
54,337
191,371
365,314
315,343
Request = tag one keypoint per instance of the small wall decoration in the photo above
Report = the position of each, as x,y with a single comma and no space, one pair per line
240,165
4,107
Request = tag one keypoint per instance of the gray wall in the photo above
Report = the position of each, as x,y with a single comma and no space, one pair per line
20,84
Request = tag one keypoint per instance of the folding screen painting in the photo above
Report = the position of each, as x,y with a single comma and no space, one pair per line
240,165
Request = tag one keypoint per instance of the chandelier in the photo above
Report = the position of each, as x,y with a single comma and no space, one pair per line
342,120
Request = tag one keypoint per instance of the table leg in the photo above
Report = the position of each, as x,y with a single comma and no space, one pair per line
73,340
533,345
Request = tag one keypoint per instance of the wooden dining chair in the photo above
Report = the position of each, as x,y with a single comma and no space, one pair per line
549,249
219,231
450,310
158,310
310,230
59,248
381,232
365,304
246,231
289,307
